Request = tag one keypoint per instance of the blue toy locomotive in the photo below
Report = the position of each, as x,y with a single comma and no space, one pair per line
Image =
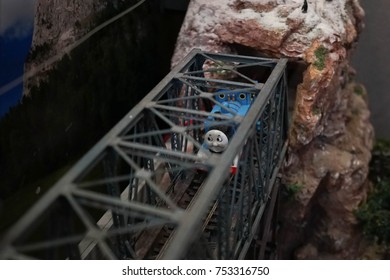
228,103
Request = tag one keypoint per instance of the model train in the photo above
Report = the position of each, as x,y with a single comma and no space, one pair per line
228,103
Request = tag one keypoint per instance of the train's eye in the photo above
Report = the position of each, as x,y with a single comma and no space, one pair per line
242,96
219,138
210,138
222,95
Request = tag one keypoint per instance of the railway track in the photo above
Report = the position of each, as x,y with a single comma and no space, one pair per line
150,243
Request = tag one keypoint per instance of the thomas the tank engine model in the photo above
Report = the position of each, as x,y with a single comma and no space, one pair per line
228,103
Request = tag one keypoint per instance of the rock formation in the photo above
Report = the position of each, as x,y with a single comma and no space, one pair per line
57,25
330,134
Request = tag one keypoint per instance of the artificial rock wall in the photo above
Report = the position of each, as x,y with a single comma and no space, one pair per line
58,24
330,133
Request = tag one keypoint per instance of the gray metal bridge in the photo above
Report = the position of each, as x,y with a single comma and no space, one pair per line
149,190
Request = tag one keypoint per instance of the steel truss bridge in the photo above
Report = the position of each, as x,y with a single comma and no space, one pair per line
149,190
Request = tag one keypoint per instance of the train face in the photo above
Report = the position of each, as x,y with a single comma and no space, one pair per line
216,140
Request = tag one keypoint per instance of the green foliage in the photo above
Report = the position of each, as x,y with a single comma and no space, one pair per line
382,146
293,189
358,89
374,215
320,54
316,111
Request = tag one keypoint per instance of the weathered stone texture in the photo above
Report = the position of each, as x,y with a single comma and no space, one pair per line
331,135
57,25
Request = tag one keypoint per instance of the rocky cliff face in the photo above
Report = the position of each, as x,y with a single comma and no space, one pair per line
331,135
57,25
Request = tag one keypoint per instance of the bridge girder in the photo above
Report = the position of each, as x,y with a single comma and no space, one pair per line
134,182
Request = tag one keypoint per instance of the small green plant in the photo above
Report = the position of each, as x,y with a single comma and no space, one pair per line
316,111
358,89
320,54
293,189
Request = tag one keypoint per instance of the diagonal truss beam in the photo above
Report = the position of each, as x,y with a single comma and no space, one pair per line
133,158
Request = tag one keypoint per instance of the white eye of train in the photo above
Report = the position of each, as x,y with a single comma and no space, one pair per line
219,138
210,138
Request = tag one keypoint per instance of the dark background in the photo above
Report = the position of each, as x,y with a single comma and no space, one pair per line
372,63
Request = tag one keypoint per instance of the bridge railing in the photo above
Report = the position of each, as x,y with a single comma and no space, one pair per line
150,190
